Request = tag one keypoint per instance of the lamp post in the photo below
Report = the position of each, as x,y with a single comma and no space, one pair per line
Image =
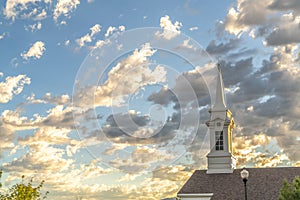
245,175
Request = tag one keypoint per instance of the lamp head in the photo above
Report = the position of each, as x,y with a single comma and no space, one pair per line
244,174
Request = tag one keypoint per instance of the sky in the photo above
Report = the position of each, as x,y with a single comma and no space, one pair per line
109,99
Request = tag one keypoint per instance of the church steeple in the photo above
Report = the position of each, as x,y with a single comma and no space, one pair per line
221,124
220,97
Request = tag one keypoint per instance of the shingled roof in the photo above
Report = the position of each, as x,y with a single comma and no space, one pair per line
263,183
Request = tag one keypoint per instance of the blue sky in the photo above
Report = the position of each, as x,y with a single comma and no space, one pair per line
108,99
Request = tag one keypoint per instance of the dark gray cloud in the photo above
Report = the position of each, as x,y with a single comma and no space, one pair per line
266,100
222,48
236,72
241,53
283,36
262,31
190,87
120,128
65,120
284,5
231,49
163,97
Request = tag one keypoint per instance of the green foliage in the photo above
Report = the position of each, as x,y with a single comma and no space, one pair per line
290,191
23,191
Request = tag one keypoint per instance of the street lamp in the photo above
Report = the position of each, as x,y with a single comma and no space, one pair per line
245,175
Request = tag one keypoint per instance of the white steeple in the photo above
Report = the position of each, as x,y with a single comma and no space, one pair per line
220,97
221,124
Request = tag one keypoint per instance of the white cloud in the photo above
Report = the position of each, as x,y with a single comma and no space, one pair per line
48,98
247,14
89,36
26,9
64,7
41,15
84,39
95,29
187,45
170,30
122,28
110,30
194,28
34,27
142,158
67,42
2,36
137,65
135,72
263,16
256,150
63,22
35,51
13,85
100,43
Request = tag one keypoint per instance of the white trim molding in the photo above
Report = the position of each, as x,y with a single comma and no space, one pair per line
196,196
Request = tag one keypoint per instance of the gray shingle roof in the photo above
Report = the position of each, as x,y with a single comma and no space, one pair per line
263,183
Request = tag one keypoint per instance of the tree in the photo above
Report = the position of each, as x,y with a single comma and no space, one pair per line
290,191
23,191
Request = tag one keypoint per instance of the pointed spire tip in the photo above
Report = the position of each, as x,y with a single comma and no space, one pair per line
219,67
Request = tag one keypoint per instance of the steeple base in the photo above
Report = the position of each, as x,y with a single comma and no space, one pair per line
220,163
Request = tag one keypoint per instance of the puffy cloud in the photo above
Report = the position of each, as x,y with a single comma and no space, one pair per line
67,42
7,141
58,100
59,116
270,91
123,79
41,157
170,30
66,181
64,7
26,9
285,5
156,188
190,87
287,32
246,14
89,36
272,19
110,30
173,173
34,27
119,124
134,129
122,28
259,151
35,51
114,148
13,85
222,48
142,158
48,150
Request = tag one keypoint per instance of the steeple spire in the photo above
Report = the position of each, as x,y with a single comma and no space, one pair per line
221,124
220,97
